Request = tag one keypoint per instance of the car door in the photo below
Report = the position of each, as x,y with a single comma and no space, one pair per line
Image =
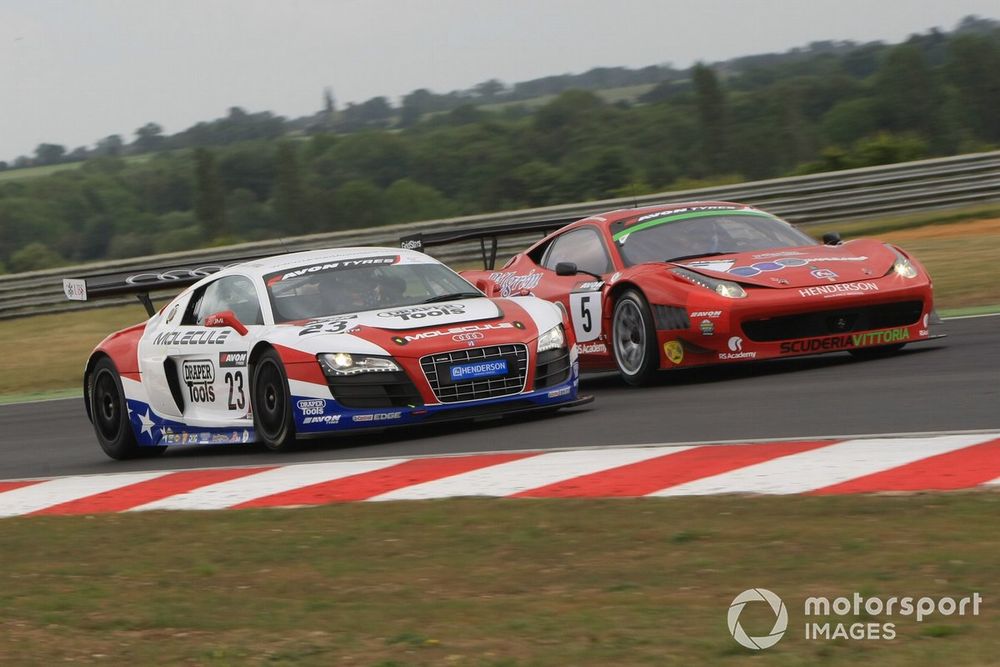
580,294
206,360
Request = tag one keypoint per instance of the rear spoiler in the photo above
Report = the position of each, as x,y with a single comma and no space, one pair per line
492,233
143,280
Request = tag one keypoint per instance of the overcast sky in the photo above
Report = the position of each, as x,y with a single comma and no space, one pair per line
73,71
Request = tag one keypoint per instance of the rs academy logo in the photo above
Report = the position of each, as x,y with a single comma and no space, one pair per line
780,619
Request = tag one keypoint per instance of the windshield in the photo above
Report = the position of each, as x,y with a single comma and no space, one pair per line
673,235
349,286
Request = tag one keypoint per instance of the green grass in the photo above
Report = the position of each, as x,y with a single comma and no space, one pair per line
609,95
488,582
35,172
879,226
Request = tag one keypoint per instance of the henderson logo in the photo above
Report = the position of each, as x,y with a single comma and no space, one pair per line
821,290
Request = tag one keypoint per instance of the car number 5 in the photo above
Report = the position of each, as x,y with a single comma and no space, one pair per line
585,308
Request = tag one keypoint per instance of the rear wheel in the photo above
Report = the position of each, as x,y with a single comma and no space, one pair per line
876,352
109,414
633,339
272,407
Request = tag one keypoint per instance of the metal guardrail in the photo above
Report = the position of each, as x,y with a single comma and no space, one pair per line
818,198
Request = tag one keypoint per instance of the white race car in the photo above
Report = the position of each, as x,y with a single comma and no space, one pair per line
317,342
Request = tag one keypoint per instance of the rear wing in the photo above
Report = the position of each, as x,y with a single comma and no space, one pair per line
484,233
143,280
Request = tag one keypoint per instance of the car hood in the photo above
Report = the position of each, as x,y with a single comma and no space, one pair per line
803,266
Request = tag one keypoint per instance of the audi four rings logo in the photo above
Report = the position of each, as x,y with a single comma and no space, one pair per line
174,274
472,335
780,619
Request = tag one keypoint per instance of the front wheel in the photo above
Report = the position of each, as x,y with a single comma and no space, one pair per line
109,414
634,339
272,408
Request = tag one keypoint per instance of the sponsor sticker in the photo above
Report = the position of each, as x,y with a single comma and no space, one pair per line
192,337
511,282
311,406
232,359
674,351
377,417
707,328
838,289
322,419
472,331
199,376
420,312
707,313
591,348
735,345
75,289
845,342
337,265
555,393
478,369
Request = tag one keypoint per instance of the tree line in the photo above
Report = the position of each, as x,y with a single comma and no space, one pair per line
250,176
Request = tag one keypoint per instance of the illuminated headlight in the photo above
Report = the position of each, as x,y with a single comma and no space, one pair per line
552,339
725,288
342,363
902,267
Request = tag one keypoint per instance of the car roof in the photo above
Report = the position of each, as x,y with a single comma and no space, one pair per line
611,217
273,263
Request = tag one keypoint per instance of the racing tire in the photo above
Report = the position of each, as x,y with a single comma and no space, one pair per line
109,414
876,352
633,339
272,406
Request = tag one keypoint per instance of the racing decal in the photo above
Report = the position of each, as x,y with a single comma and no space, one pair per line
846,342
478,369
311,406
823,273
735,345
75,289
237,390
674,351
199,377
172,313
232,359
193,337
337,324
328,420
836,290
469,332
781,253
377,417
712,314
623,229
336,265
787,262
195,273
707,328
511,282
586,309
419,312
720,265
591,348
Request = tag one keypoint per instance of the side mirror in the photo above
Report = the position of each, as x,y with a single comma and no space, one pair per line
566,269
831,238
226,318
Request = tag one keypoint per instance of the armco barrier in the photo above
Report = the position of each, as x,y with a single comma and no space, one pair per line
843,195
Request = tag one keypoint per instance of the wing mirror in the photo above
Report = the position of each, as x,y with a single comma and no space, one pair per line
831,238
487,287
226,318
566,269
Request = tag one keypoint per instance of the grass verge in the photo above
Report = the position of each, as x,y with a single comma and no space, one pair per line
486,582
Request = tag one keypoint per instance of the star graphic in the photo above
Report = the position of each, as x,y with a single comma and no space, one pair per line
147,424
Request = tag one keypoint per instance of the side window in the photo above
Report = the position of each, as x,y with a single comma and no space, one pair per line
581,246
235,293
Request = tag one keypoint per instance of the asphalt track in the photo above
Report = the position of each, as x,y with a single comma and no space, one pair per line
945,385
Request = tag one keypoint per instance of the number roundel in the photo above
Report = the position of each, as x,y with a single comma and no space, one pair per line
586,311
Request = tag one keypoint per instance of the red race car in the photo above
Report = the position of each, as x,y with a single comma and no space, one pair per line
701,283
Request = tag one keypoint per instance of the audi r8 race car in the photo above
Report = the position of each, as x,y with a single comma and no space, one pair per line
700,283
317,342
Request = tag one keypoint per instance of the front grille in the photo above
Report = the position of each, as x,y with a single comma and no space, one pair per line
552,367
830,322
375,390
435,366
670,318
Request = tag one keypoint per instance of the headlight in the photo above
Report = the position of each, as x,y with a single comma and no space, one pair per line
341,363
725,288
552,339
902,267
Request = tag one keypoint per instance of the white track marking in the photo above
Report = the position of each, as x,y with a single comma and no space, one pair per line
805,471
236,491
505,479
28,499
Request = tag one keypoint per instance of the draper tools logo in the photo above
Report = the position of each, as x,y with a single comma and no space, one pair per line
780,619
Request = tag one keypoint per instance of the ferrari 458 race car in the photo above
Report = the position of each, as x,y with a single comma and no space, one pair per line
702,283
317,342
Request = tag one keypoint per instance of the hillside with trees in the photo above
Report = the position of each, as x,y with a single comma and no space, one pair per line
248,176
